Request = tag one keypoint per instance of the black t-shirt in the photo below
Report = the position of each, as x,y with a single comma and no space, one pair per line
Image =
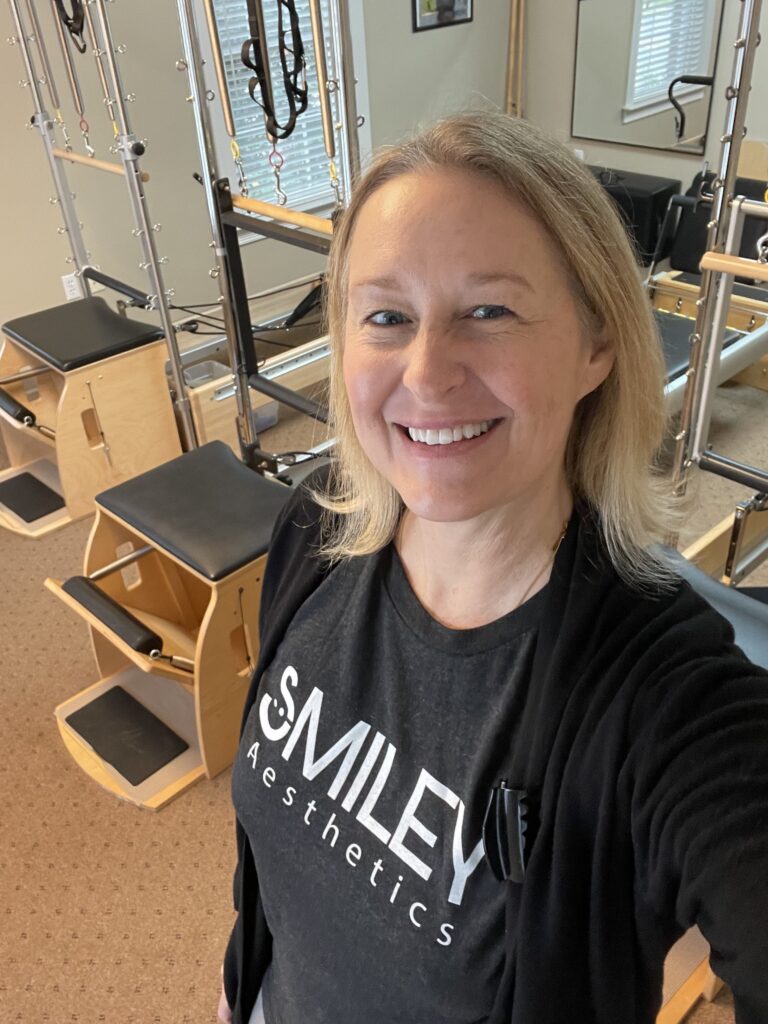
362,781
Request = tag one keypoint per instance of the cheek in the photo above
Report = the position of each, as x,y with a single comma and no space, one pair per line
364,383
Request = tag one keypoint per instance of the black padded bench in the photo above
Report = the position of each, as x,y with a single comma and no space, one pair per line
676,334
205,508
79,333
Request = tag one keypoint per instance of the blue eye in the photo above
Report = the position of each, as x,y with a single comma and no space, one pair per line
489,312
387,318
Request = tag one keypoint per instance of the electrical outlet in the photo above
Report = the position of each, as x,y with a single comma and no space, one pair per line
72,289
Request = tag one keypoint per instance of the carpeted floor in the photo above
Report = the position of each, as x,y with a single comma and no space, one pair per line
111,915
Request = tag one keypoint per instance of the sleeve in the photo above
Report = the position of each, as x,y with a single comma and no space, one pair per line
700,808
289,575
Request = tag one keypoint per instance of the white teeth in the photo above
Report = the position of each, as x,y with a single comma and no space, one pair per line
447,435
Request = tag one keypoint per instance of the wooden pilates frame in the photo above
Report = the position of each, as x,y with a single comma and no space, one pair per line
111,420
213,624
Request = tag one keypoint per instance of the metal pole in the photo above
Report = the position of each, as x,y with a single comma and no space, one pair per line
194,62
341,49
43,122
712,348
130,149
702,340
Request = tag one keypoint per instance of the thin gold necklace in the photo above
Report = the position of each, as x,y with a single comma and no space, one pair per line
547,564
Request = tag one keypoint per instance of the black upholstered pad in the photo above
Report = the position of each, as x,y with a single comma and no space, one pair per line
676,334
690,239
126,735
79,333
744,291
205,507
29,498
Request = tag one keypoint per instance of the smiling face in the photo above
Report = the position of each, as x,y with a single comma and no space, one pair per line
464,355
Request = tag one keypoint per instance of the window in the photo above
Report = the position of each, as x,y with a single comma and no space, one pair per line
305,174
669,38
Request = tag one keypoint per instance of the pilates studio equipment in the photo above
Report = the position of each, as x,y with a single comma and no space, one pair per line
83,24
721,264
170,591
84,405
229,213
172,574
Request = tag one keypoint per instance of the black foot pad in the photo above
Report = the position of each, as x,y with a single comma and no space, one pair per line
29,498
126,735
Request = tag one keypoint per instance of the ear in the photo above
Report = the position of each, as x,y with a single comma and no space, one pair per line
601,355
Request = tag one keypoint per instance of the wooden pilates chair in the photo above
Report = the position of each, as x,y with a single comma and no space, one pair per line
84,405
170,590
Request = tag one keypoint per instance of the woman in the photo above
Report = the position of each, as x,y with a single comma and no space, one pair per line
467,602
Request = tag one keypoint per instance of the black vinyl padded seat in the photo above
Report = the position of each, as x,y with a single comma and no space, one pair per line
78,333
744,291
749,617
676,334
205,507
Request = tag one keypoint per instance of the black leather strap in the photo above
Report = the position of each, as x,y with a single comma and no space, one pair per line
73,22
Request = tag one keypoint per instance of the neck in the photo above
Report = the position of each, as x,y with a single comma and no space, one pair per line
470,573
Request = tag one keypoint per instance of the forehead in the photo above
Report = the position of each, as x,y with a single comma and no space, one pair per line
441,220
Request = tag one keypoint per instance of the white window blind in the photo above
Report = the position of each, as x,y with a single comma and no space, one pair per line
670,38
304,176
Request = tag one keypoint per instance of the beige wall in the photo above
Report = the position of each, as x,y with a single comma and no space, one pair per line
551,44
605,38
412,78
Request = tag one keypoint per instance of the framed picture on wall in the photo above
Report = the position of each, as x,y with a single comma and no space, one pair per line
440,13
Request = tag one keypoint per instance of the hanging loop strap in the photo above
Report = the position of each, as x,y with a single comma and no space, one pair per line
73,21
254,56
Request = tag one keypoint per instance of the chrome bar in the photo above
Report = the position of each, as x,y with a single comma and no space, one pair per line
221,78
731,469
35,371
45,63
710,362
207,150
321,67
130,150
735,358
120,563
74,81
344,72
43,122
737,94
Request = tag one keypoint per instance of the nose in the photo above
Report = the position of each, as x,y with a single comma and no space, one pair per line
433,364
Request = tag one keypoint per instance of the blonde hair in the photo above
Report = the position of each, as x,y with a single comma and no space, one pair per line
617,429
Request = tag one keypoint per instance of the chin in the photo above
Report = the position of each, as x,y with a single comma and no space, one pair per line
442,507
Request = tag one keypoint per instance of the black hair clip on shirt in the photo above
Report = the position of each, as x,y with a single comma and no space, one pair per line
504,831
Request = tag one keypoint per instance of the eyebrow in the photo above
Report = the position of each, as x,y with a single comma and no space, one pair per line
481,277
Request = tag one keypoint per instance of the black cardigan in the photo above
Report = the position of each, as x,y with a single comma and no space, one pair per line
644,745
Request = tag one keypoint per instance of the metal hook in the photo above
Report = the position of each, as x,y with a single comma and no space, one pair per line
276,161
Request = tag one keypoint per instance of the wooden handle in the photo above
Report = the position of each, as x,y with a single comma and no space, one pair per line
99,165
284,215
736,265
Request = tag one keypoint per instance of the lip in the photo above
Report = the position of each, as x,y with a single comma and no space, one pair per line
467,446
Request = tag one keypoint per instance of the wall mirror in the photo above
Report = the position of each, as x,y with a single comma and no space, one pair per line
644,71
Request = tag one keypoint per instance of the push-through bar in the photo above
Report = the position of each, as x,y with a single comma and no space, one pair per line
739,266
141,298
97,165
